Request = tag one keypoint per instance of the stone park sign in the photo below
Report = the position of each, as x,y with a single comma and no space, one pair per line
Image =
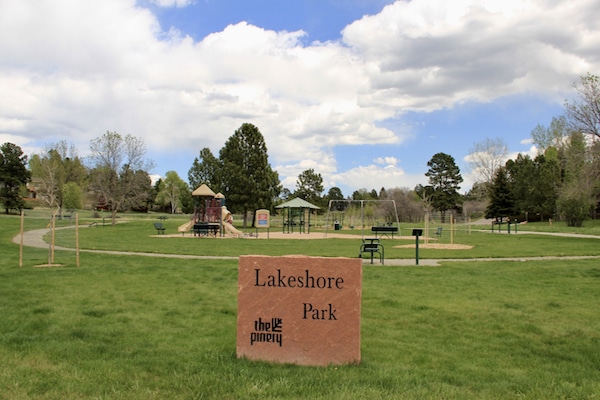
300,310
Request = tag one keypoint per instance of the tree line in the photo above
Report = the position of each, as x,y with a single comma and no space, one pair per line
562,180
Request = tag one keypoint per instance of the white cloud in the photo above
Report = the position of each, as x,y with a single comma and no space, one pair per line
374,177
386,160
71,73
426,55
172,3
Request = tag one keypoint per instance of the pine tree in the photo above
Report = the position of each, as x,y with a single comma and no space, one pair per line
502,202
444,179
248,181
13,175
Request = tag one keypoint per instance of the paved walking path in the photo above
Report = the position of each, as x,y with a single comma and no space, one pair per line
35,238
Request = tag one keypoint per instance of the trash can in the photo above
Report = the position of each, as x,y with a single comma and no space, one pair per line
336,226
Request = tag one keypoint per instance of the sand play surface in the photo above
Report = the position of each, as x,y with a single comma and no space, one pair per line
263,234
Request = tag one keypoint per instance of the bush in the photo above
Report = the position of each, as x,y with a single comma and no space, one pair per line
574,205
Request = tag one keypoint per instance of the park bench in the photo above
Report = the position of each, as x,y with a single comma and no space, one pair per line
371,246
206,229
159,228
384,230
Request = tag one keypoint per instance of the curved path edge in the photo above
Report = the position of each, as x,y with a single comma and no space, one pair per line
35,238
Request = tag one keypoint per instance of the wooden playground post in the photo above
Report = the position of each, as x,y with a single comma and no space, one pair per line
22,233
426,227
77,239
53,228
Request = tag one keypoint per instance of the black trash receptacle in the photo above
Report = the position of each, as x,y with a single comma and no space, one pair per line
336,226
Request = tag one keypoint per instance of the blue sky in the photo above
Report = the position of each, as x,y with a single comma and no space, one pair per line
365,92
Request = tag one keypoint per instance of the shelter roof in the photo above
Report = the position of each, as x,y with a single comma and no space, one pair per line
204,191
298,203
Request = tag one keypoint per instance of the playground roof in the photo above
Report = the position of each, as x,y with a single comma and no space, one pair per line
298,203
204,191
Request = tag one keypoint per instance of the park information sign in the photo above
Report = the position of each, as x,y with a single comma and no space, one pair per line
262,219
300,310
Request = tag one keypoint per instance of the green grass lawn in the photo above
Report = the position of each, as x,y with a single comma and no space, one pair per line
139,235
131,327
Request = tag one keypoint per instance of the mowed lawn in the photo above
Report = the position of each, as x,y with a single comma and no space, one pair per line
131,327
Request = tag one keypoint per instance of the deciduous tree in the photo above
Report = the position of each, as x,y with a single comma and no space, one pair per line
575,199
72,197
584,111
120,171
51,170
172,192
485,158
553,136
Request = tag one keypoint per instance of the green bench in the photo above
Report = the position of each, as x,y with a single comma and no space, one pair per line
384,230
371,246
160,229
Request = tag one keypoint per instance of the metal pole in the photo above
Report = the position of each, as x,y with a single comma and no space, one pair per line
22,233
417,249
77,238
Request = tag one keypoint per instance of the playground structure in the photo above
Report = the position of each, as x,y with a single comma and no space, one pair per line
210,217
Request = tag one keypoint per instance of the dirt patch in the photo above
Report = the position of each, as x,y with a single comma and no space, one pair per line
262,234
48,265
439,246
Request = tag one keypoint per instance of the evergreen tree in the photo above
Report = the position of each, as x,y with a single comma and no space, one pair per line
502,204
444,179
309,187
13,175
206,169
335,193
248,181
535,183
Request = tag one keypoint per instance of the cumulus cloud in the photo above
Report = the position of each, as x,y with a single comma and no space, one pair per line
427,55
386,160
375,177
172,3
71,71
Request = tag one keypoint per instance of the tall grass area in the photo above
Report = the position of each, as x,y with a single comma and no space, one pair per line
131,327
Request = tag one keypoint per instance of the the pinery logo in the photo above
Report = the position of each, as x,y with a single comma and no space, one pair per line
267,332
